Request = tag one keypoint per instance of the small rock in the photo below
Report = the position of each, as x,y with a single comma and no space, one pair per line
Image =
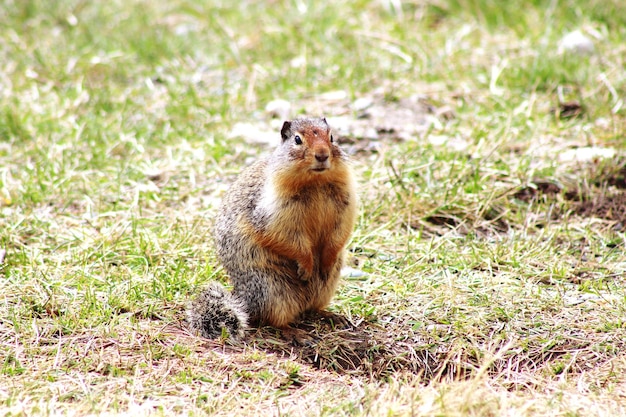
573,300
278,108
153,174
587,154
149,187
341,124
364,132
352,272
576,42
252,133
298,62
362,103
445,113
603,122
334,95
450,142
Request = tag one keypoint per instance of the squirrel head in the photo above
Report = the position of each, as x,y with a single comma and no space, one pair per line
310,145
308,156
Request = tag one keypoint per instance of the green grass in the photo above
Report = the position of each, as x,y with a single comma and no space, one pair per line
495,262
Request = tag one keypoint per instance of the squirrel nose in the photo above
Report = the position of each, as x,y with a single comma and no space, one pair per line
321,157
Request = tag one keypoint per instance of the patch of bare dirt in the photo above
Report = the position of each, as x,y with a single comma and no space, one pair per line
537,189
618,179
604,198
569,110
485,223
366,351
441,225
612,174
372,351
360,125
378,119
603,206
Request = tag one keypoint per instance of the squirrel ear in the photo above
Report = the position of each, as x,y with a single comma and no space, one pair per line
284,132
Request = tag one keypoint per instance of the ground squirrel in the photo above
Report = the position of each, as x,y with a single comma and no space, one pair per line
281,233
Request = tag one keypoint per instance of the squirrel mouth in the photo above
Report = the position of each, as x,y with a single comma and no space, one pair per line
321,166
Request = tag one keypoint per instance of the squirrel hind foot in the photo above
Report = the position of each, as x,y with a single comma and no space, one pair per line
336,321
214,310
299,337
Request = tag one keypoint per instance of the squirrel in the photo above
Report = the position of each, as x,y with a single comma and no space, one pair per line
280,234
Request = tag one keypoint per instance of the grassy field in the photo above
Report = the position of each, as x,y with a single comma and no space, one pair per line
489,256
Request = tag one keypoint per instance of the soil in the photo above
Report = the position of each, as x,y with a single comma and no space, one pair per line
604,206
605,199
375,351
617,178
362,126
541,188
569,110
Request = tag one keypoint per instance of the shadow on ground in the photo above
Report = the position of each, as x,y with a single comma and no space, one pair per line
371,351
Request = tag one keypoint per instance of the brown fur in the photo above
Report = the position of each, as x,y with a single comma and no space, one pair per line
283,226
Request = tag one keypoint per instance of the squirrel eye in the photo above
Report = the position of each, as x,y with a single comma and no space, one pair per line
332,139
298,140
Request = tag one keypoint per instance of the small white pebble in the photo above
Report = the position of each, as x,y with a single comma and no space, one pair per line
352,272
587,154
253,133
576,42
362,103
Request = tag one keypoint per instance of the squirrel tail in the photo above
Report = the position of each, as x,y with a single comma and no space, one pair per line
215,309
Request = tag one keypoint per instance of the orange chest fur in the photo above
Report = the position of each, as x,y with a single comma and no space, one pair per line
312,215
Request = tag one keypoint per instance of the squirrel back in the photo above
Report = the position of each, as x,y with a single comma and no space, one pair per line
280,233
